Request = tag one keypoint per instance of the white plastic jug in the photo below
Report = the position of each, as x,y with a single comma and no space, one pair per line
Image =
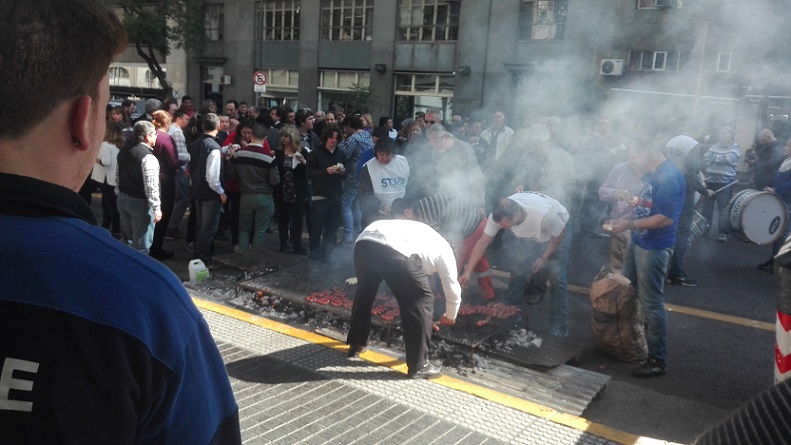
198,270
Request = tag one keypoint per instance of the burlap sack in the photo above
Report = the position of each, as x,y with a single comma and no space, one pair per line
616,319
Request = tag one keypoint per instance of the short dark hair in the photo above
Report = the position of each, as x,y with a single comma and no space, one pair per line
399,205
259,131
235,103
185,97
302,115
385,145
52,54
383,120
178,114
265,119
380,132
353,122
505,208
327,132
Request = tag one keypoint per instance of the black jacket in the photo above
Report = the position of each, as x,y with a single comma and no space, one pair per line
325,184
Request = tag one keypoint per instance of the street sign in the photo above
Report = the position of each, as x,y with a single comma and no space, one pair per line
259,82
259,78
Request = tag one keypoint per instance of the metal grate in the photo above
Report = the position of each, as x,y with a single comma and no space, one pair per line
295,283
464,332
553,352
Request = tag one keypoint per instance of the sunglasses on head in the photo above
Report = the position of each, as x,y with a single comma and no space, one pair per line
431,122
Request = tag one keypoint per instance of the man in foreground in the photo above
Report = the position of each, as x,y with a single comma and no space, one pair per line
84,320
404,254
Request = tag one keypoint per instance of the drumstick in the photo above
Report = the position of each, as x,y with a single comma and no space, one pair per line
725,186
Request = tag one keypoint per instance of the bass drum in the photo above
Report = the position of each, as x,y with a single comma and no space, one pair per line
759,216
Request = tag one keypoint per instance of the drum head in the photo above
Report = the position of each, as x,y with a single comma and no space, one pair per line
763,218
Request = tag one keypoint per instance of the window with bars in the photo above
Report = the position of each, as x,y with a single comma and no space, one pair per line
542,19
347,20
427,20
277,20
214,21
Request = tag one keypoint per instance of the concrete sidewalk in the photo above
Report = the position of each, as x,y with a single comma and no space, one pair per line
295,386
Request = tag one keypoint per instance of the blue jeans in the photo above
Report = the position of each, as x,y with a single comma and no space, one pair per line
137,222
351,214
255,216
676,268
557,275
182,199
647,269
208,221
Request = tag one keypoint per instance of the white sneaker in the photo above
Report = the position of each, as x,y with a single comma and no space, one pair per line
722,238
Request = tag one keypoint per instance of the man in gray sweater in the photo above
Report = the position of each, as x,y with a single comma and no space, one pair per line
254,165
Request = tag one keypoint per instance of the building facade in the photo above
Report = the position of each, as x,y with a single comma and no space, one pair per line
529,58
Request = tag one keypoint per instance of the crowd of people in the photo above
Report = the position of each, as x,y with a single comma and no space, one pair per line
83,317
476,181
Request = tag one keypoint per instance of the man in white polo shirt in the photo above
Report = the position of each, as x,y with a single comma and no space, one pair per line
544,221
404,254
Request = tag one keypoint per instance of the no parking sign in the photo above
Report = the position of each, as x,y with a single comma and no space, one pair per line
259,82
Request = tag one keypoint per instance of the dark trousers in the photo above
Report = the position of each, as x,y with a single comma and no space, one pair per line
192,222
208,217
326,218
682,236
231,212
290,213
111,219
167,194
406,277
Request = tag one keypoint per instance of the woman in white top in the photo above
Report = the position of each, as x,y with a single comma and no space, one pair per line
104,174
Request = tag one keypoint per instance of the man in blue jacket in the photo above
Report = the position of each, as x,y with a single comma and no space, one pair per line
98,342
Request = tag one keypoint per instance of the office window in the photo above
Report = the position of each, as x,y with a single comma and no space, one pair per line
658,61
723,61
343,87
425,84
117,72
542,19
347,20
658,4
277,20
214,20
428,20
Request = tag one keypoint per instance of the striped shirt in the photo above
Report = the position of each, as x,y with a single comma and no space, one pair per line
447,216
181,143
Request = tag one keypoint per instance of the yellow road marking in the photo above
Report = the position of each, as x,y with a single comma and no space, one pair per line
700,313
491,395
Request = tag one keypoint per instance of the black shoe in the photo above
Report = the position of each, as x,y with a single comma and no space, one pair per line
682,280
769,265
355,350
651,368
428,371
300,251
283,247
162,254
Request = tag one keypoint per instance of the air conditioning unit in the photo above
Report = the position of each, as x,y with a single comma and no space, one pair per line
611,67
226,79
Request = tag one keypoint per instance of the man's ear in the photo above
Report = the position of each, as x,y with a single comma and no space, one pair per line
80,122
